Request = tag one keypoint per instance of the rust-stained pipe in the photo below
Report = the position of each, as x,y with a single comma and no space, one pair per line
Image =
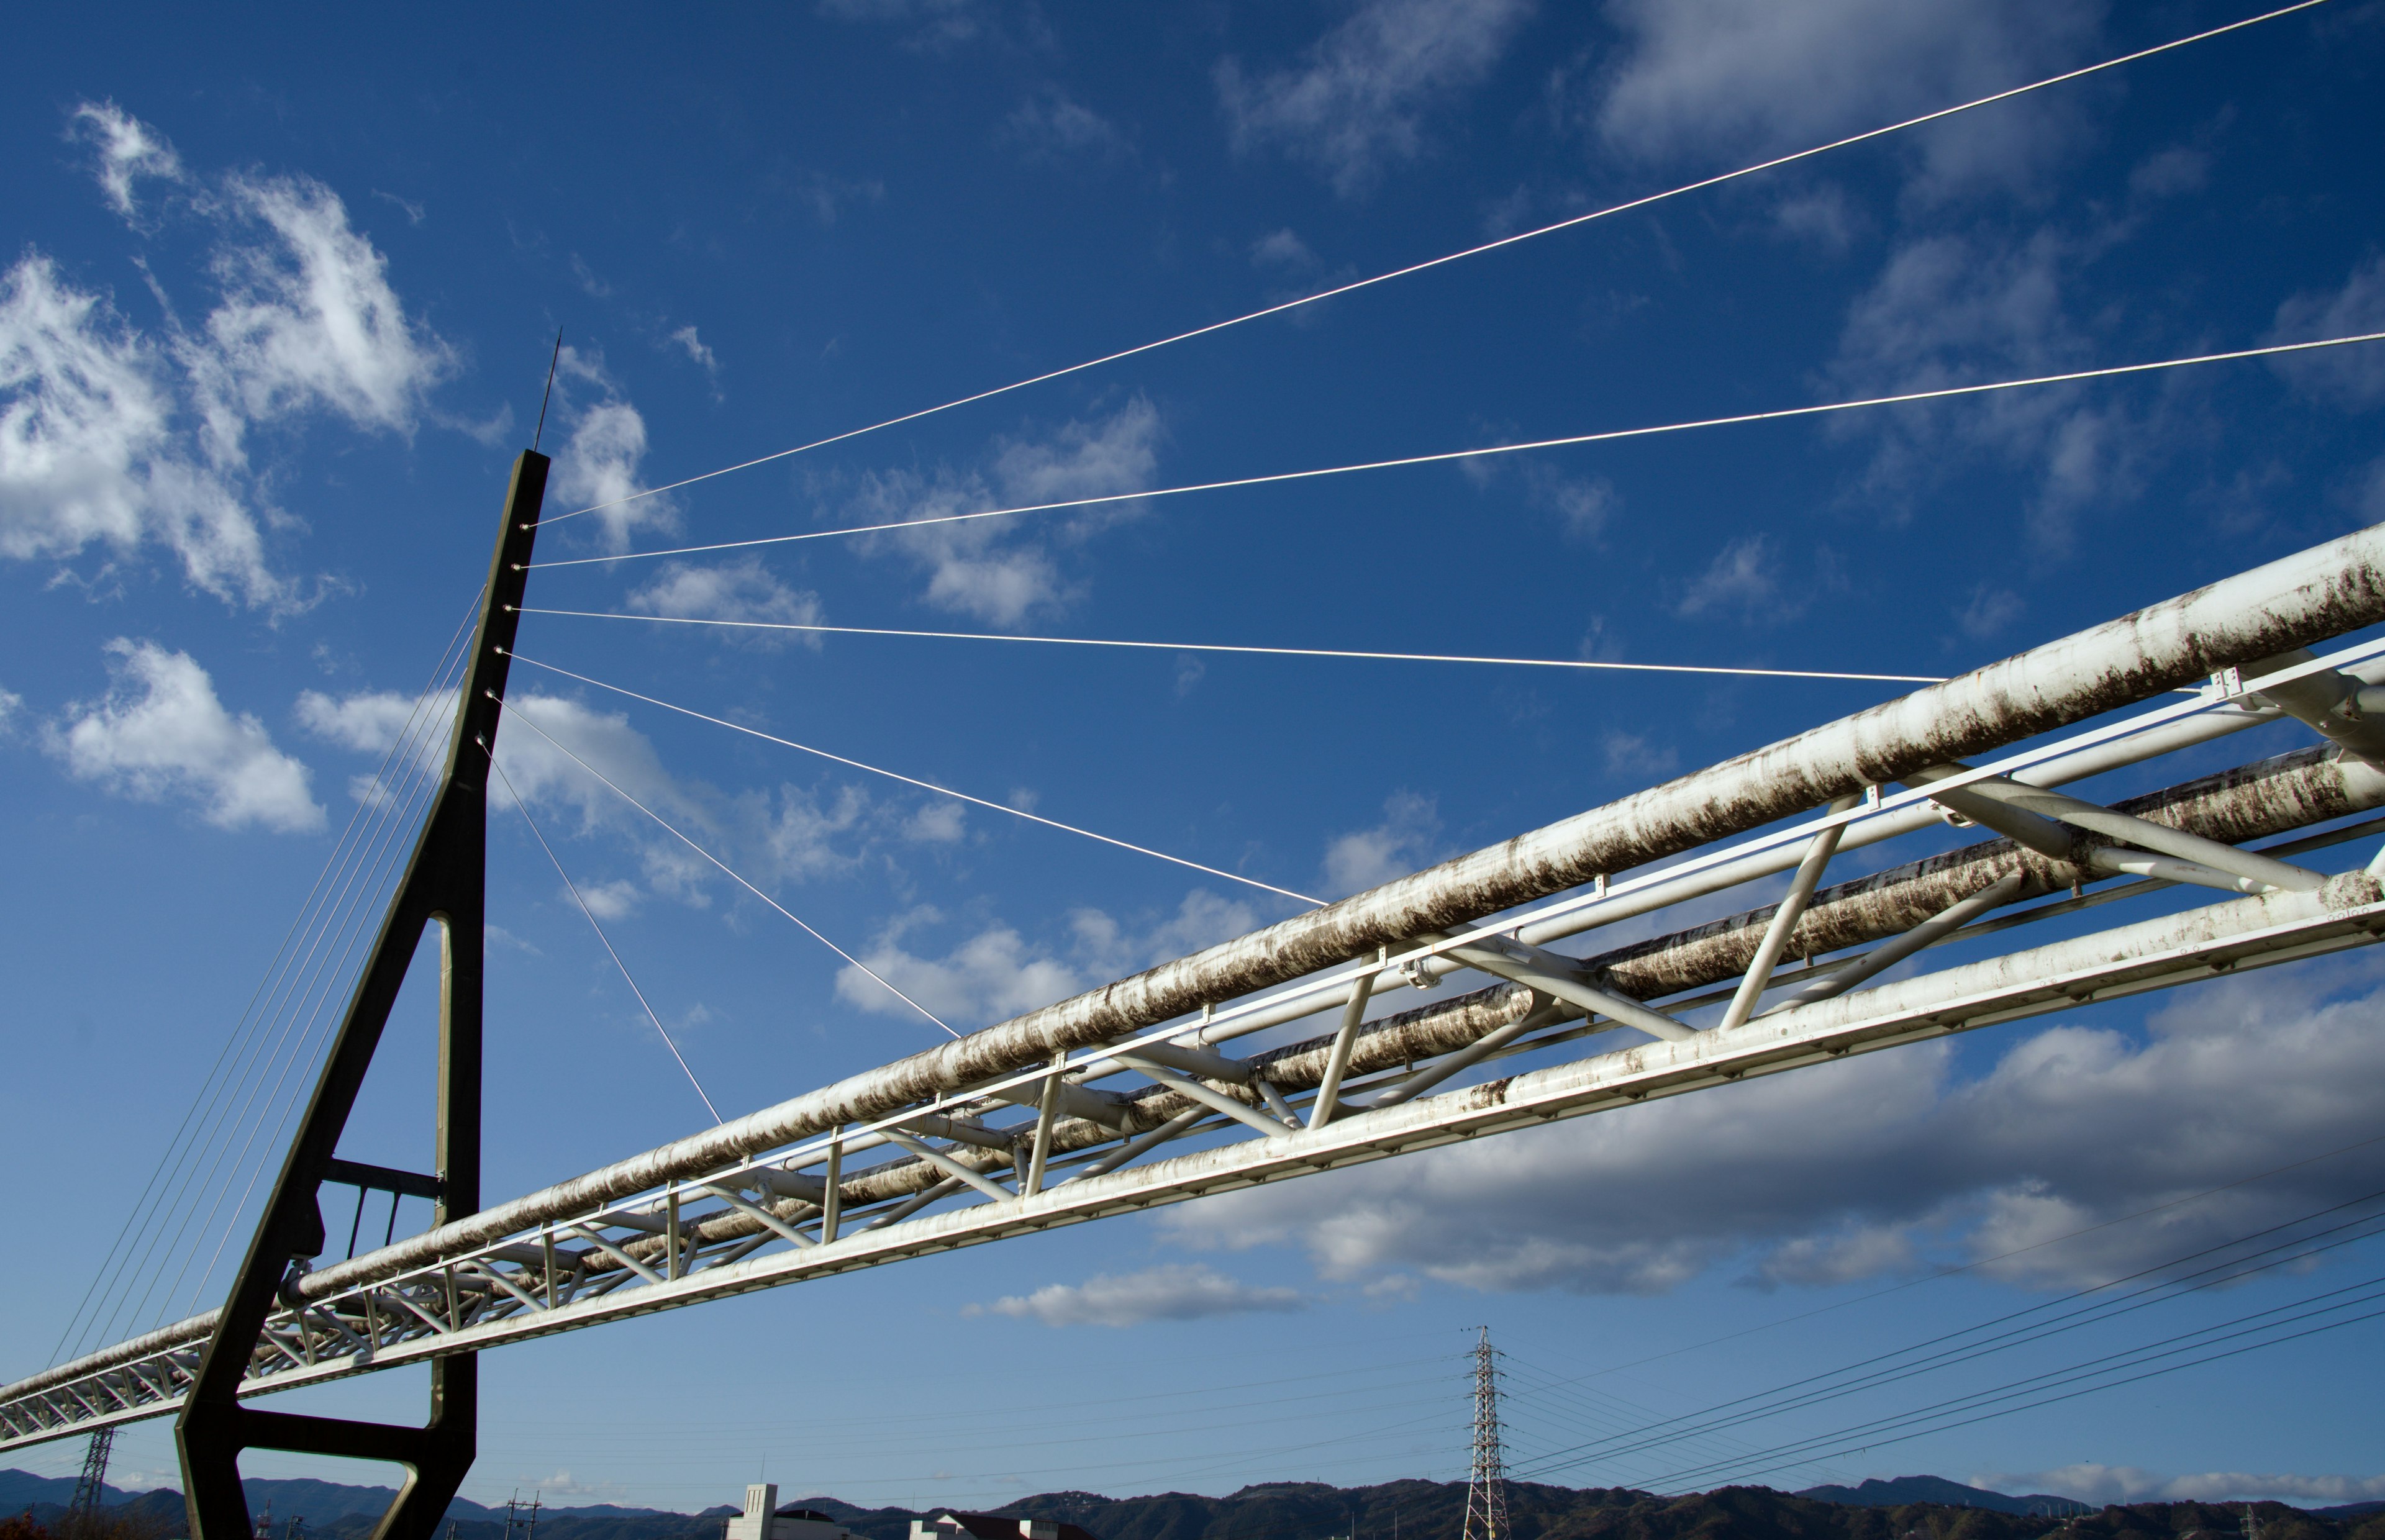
2252,802
2304,598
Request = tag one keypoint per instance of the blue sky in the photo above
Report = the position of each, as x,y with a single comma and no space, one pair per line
278,298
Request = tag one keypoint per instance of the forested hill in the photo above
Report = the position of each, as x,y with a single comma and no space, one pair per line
1299,1511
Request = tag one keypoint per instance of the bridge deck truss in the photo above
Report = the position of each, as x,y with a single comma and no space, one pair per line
1133,1097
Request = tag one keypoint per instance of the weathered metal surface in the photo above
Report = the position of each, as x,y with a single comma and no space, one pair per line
2316,593
2225,939
1410,1038
2252,801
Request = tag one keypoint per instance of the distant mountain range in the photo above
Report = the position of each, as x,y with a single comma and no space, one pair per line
1876,1510
1904,1490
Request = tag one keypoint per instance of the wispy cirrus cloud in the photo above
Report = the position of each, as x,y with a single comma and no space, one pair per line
126,149
737,592
1702,79
2350,378
1356,104
119,436
1002,571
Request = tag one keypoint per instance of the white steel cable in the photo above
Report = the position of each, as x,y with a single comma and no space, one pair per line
733,876
1642,202
602,939
322,990
927,786
308,1001
1612,435
341,867
1262,652
301,1040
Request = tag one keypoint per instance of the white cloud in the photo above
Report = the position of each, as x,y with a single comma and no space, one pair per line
771,839
1183,1291
938,822
2092,1483
308,319
599,464
1282,248
990,976
1399,844
128,149
1989,611
1820,218
698,353
1583,503
739,591
933,23
10,704
160,732
2170,173
367,722
997,973
1841,1172
1744,578
1105,945
1356,103
2354,377
88,450
1706,77
1002,571
372,722
1051,125
1949,310
1632,756
617,900
112,437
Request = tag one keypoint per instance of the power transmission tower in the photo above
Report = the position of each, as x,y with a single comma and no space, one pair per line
1486,1490
91,1485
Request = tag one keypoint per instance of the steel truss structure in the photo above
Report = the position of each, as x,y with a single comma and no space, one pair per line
1127,1097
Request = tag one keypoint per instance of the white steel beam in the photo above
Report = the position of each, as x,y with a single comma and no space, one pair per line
2153,954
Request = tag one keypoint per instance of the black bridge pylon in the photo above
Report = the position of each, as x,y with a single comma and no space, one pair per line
445,883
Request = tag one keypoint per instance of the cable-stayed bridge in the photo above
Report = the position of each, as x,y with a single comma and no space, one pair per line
1435,1008
1480,996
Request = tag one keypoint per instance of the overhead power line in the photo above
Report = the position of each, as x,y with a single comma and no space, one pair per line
1612,435
1644,201
1264,652
1881,1369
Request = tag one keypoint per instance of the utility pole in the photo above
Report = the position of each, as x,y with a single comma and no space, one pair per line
84,1510
1486,1490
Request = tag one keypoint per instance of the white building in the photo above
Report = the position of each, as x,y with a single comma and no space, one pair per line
949,1525
764,1519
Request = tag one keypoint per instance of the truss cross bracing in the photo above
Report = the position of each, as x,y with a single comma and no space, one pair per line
1347,1033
